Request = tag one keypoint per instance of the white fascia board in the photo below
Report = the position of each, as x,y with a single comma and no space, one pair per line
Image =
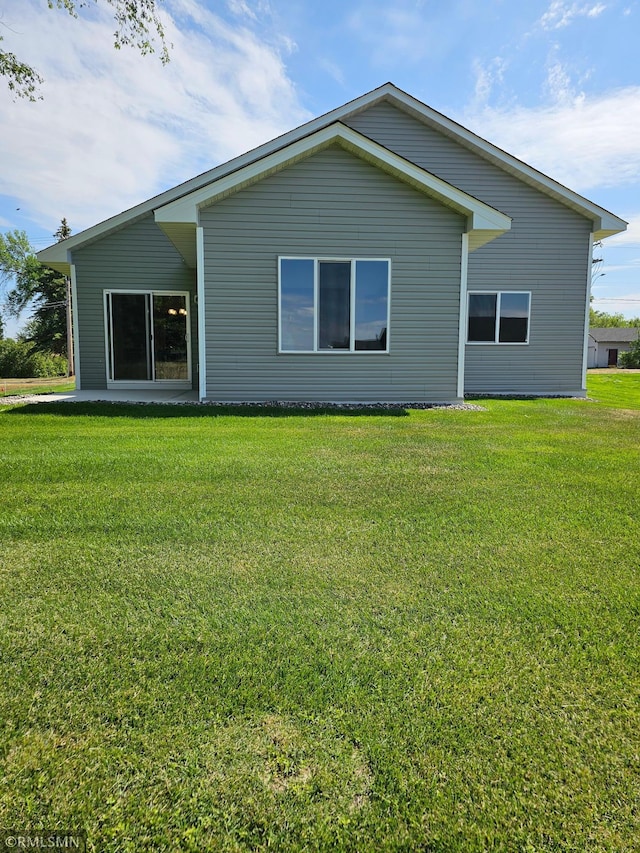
186,209
121,220
480,216
605,223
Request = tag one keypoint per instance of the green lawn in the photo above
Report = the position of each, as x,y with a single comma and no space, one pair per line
618,388
343,632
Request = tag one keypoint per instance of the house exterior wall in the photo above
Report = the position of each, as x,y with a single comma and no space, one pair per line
331,205
139,257
546,252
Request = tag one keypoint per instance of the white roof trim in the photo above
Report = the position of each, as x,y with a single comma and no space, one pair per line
605,223
480,216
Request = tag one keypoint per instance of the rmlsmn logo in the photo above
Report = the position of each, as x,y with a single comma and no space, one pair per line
20,839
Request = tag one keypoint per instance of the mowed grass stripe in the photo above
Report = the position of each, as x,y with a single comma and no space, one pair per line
322,632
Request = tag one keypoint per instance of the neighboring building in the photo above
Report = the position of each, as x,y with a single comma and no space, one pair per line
605,345
381,252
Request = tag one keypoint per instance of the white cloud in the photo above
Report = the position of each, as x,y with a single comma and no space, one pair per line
587,142
115,128
244,8
334,71
241,8
399,33
560,13
559,85
488,75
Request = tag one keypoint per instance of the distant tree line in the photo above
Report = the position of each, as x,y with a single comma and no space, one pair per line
602,320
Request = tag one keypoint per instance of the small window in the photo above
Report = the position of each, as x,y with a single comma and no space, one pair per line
499,318
333,305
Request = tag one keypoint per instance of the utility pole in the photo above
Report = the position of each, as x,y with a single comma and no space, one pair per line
70,359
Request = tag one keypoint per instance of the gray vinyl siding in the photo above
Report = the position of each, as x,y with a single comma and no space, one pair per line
331,205
137,257
546,252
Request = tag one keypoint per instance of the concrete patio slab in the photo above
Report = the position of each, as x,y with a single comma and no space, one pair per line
153,396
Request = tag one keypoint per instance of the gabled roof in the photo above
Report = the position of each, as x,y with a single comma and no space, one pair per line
604,222
484,223
619,334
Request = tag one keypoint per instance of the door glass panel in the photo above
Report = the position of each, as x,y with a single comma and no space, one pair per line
170,337
130,336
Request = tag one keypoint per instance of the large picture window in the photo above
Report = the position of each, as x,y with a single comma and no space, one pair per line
500,317
334,305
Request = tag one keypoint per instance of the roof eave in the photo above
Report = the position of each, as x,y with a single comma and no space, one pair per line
481,218
58,257
388,91
611,224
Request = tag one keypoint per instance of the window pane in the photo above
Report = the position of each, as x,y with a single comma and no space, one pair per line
482,317
514,317
296,304
334,304
170,337
130,336
372,286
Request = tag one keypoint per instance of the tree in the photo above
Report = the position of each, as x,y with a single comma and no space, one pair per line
631,357
22,79
137,25
18,360
46,331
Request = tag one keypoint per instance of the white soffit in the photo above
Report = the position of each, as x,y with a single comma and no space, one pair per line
480,217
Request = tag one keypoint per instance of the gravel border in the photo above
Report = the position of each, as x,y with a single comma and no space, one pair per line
26,398
268,404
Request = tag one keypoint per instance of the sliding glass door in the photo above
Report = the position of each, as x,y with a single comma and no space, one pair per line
148,337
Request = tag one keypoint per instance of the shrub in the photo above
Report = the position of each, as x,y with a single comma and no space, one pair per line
19,361
631,358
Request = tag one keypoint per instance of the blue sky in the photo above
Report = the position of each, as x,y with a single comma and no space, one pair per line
554,82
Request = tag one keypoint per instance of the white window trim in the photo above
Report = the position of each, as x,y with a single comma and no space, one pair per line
317,259
132,384
497,341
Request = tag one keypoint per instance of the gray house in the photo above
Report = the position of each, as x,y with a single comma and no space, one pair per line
381,252
606,344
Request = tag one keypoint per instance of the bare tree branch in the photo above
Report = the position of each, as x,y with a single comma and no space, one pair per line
138,25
